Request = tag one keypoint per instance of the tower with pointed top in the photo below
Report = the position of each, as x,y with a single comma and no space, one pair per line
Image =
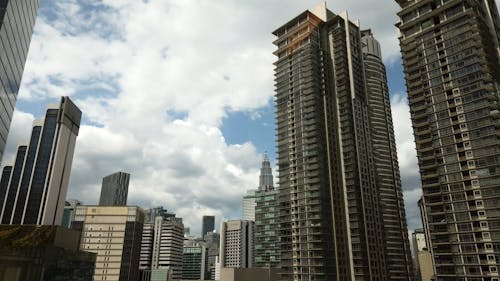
266,175
267,249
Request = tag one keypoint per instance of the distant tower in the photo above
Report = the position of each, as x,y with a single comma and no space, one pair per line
208,225
114,189
33,190
17,20
162,242
266,215
236,249
114,234
266,175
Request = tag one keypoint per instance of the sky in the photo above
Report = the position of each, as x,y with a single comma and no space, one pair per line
180,95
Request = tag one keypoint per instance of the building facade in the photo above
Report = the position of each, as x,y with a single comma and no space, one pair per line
194,260
450,53
43,253
33,189
422,256
114,190
162,242
114,234
337,217
69,212
208,225
17,20
267,247
249,205
212,240
237,243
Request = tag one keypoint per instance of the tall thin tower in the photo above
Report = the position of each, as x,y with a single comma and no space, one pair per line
17,20
334,200
33,190
450,51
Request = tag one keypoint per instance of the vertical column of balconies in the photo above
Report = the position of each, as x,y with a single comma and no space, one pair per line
451,68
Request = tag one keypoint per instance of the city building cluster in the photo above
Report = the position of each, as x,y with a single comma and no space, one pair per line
337,210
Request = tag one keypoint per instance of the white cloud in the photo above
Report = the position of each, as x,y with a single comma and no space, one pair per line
407,158
131,65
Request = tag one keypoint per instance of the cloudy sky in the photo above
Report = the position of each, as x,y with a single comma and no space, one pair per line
180,95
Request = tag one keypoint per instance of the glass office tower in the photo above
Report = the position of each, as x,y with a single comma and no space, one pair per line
17,20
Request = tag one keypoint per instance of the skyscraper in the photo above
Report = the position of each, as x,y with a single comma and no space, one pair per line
33,190
450,53
267,247
162,242
237,243
114,189
340,216
208,225
17,20
385,158
114,234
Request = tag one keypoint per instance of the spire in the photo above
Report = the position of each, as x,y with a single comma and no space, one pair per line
266,174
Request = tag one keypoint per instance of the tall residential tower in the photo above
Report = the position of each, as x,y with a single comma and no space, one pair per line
17,20
341,208
450,51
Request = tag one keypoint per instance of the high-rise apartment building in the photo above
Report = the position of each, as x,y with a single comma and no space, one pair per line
114,189
162,243
17,20
236,244
450,51
267,247
341,208
208,225
249,205
114,234
33,190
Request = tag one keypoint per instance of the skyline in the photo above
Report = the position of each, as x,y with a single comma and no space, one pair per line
198,145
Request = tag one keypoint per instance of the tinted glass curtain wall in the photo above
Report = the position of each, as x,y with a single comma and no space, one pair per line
33,189
17,19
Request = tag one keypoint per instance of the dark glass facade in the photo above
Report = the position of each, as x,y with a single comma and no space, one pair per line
38,183
26,177
13,185
17,20
4,183
41,167
114,189
208,223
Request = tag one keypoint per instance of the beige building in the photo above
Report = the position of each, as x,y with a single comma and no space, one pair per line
114,233
249,274
237,242
422,256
